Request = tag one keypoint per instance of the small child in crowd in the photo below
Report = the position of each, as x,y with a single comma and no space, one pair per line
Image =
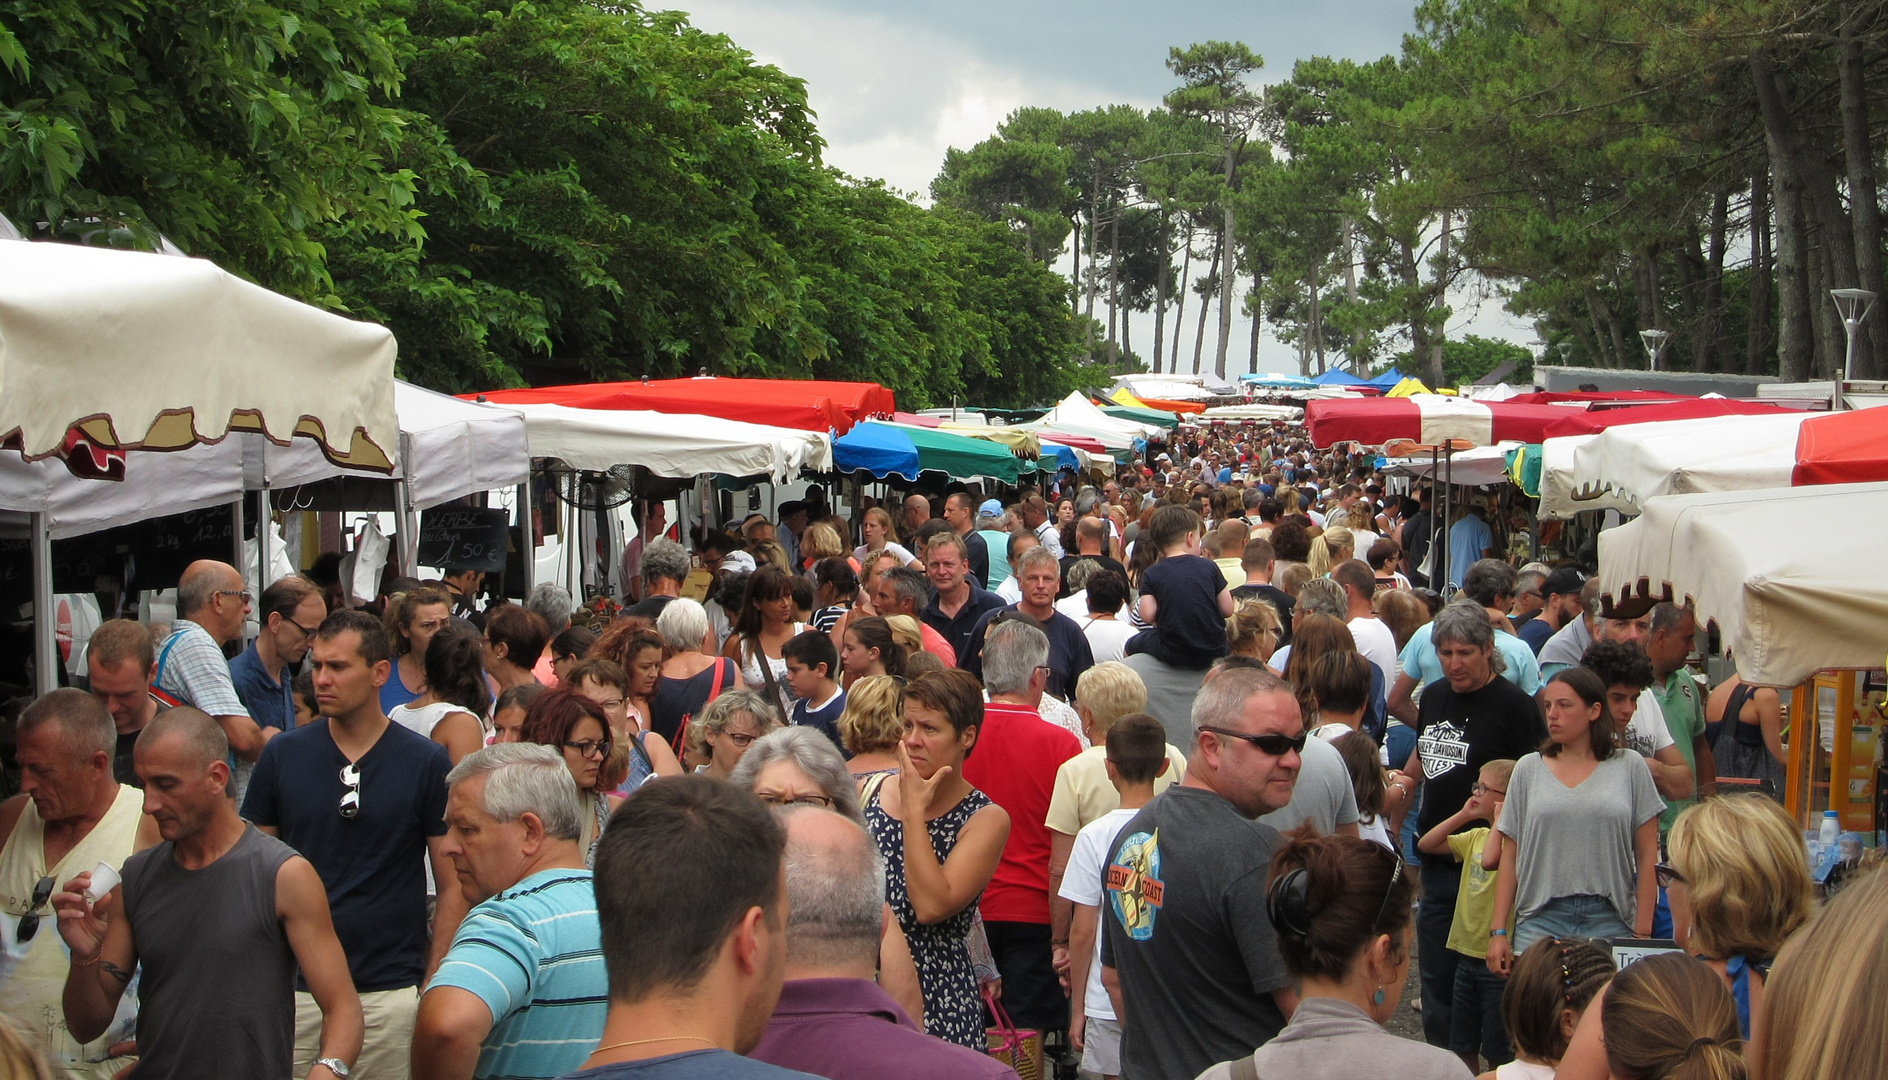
1548,991
1476,1017
1137,755
819,699
1184,596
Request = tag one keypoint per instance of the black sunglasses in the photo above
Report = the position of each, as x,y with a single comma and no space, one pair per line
29,922
1275,745
1667,875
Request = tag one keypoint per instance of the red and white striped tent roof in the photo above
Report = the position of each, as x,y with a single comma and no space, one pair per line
1428,420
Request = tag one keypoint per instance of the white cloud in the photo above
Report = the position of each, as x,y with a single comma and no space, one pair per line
895,86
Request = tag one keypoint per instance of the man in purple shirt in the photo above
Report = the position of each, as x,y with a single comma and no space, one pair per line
832,1019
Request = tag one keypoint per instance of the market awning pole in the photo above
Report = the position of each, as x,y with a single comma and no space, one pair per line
45,617
407,535
526,538
263,528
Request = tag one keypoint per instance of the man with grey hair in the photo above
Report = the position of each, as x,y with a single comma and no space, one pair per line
523,991
902,591
1468,717
212,603
72,815
1490,585
665,566
833,1020
1040,577
1018,754
1185,932
552,604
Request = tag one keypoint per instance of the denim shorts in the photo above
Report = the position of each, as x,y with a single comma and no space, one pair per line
1570,917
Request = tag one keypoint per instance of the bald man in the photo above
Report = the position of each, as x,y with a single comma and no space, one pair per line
225,915
212,603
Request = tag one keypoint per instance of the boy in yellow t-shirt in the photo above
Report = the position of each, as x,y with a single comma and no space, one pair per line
1476,1027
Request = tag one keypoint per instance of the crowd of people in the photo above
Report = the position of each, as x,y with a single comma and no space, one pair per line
1185,774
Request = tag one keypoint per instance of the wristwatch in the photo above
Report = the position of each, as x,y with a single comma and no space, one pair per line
336,1066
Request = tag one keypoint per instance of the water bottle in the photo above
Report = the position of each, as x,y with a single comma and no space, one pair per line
1831,827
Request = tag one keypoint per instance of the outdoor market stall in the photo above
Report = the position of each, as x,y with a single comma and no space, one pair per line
155,352
887,450
1429,419
1633,463
1809,618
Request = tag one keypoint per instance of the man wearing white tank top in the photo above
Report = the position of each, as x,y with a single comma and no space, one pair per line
72,816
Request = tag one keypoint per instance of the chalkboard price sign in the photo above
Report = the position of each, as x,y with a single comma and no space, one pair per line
464,538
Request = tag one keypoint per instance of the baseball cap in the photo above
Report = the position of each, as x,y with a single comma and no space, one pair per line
738,562
1563,581
990,508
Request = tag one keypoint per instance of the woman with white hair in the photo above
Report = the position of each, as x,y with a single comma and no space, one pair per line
690,677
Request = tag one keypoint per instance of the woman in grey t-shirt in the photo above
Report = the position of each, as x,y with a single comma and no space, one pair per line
1579,831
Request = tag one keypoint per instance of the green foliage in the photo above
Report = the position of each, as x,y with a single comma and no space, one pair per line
553,188
1472,357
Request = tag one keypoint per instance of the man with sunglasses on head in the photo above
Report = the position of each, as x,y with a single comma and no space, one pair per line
212,605
218,918
364,800
1187,945
72,815
291,610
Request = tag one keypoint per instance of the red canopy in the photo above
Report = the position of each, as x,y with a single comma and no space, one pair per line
807,404
1079,442
917,418
1842,448
1429,420
1582,422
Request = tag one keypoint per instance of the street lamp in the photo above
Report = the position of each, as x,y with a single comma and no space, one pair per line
1654,344
1854,304
1566,351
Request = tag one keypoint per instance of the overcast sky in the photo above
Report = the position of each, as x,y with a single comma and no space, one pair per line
896,84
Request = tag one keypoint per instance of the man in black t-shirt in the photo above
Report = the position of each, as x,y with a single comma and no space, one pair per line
1468,718
1185,934
1258,561
120,661
1091,536
364,800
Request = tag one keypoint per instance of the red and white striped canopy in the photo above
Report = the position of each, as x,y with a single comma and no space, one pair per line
1428,419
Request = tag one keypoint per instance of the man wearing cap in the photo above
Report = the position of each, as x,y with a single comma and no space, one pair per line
990,526
1561,593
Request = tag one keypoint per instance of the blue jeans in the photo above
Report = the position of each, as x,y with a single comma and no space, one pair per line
1662,918
1442,876
1570,917
1477,1026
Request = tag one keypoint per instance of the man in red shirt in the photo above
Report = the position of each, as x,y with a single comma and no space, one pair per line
1018,753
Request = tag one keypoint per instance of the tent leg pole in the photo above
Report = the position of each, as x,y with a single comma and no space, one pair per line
45,615
402,532
236,516
263,527
526,540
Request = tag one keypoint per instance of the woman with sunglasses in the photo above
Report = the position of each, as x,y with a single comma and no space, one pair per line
941,839
1341,907
726,728
1579,830
577,726
413,617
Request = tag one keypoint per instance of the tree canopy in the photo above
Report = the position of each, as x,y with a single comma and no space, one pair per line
550,190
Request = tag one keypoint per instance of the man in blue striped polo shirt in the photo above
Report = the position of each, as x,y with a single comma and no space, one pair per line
523,992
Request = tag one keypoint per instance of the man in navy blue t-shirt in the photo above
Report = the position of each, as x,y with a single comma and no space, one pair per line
364,800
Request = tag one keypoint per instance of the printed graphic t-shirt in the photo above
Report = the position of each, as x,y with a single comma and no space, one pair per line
1456,734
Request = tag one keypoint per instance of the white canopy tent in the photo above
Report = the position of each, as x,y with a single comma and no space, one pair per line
1786,608
669,444
1077,415
156,352
1631,463
1481,466
1254,412
1166,388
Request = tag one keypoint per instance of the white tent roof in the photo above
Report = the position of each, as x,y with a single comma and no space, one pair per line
157,352
1787,608
1078,415
448,449
1561,496
452,448
1254,412
1636,462
1166,389
671,444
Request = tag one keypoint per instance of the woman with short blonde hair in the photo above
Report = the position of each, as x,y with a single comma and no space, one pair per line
872,724
1254,629
1739,886
1107,692
1821,1016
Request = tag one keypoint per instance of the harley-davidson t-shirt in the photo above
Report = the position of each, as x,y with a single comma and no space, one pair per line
1456,734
